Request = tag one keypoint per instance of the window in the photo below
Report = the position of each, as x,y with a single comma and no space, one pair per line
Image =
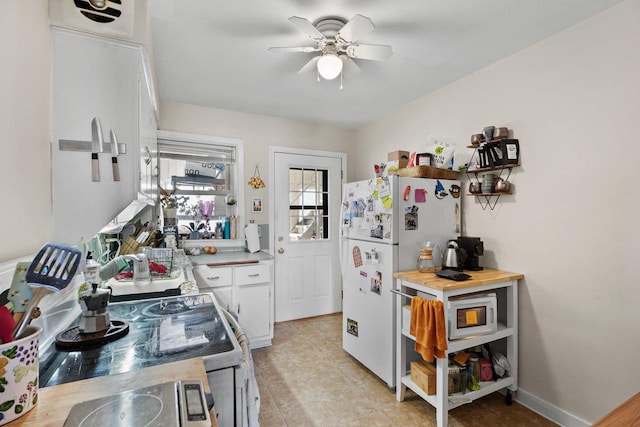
205,173
308,204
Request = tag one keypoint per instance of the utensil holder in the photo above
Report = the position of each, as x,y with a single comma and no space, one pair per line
19,377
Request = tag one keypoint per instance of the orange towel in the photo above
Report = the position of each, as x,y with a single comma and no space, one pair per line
427,325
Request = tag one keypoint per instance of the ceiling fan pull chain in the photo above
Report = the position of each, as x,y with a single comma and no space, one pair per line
340,80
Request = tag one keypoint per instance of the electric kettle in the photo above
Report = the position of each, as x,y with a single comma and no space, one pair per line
453,257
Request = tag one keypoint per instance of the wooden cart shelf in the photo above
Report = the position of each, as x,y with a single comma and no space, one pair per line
505,284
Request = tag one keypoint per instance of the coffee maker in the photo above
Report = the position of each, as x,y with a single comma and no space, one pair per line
95,317
473,247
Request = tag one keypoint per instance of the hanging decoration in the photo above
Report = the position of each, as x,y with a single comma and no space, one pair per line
256,182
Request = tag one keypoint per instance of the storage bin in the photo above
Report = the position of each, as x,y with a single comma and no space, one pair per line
401,156
423,374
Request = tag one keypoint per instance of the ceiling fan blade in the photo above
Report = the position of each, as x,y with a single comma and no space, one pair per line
307,27
349,67
354,29
375,52
305,49
312,64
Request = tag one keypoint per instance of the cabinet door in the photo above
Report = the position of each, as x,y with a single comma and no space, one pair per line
213,277
148,134
224,297
253,309
253,274
91,77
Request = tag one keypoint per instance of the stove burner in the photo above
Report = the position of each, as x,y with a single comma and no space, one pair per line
164,308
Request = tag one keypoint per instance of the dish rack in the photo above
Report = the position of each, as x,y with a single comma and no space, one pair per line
163,256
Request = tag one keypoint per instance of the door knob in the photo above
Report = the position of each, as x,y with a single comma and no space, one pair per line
281,250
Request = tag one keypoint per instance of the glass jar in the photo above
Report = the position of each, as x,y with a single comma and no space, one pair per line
425,262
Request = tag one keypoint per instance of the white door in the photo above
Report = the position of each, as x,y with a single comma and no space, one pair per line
307,198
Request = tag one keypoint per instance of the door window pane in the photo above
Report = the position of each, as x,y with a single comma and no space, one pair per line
308,207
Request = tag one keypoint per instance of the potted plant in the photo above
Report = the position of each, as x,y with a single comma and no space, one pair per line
171,203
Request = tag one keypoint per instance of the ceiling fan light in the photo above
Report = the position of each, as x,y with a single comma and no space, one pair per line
329,66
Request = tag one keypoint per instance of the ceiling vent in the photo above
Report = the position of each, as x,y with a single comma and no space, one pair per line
105,17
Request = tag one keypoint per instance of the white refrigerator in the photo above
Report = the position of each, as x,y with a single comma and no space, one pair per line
383,220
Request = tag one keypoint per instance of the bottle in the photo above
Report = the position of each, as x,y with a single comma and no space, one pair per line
475,364
91,270
227,228
234,227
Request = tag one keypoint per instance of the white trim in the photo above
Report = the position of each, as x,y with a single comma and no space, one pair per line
239,165
549,411
272,175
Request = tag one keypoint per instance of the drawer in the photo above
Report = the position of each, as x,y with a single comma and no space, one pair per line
251,274
213,277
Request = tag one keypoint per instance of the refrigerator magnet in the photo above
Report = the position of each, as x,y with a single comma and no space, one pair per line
387,202
411,218
420,195
376,283
363,282
352,327
384,189
357,257
405,195
455,191
441,193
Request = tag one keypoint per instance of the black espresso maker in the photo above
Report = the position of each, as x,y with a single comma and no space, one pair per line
473,247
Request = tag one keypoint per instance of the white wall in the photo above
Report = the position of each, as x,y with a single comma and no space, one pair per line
573,101
258,133
25,45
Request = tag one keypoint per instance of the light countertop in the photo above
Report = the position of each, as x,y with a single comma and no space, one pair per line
482,277
231,257
54,403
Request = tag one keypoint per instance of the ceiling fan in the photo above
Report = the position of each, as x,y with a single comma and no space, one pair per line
336,39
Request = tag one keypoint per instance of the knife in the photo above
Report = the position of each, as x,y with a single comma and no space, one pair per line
96,137
114,156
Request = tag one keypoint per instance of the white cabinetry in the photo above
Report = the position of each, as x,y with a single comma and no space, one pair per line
245,291
97,77
218,280
503,283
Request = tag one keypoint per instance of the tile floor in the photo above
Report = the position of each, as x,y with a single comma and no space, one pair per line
306,379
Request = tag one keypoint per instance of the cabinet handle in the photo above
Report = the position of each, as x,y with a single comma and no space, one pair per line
213,278
253,275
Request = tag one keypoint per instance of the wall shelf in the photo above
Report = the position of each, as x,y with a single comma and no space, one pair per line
489,200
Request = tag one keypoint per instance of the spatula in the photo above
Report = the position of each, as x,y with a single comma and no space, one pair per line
51,270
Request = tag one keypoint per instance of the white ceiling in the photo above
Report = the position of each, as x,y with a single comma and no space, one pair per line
214,53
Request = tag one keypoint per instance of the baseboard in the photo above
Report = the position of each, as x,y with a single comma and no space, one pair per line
549,411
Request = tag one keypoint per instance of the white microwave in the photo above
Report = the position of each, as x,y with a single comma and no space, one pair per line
471,315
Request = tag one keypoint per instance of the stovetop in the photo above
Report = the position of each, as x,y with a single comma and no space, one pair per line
161,330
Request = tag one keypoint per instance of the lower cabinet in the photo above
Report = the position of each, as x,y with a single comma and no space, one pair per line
246,291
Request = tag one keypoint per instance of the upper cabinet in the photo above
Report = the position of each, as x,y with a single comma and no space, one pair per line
98,77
